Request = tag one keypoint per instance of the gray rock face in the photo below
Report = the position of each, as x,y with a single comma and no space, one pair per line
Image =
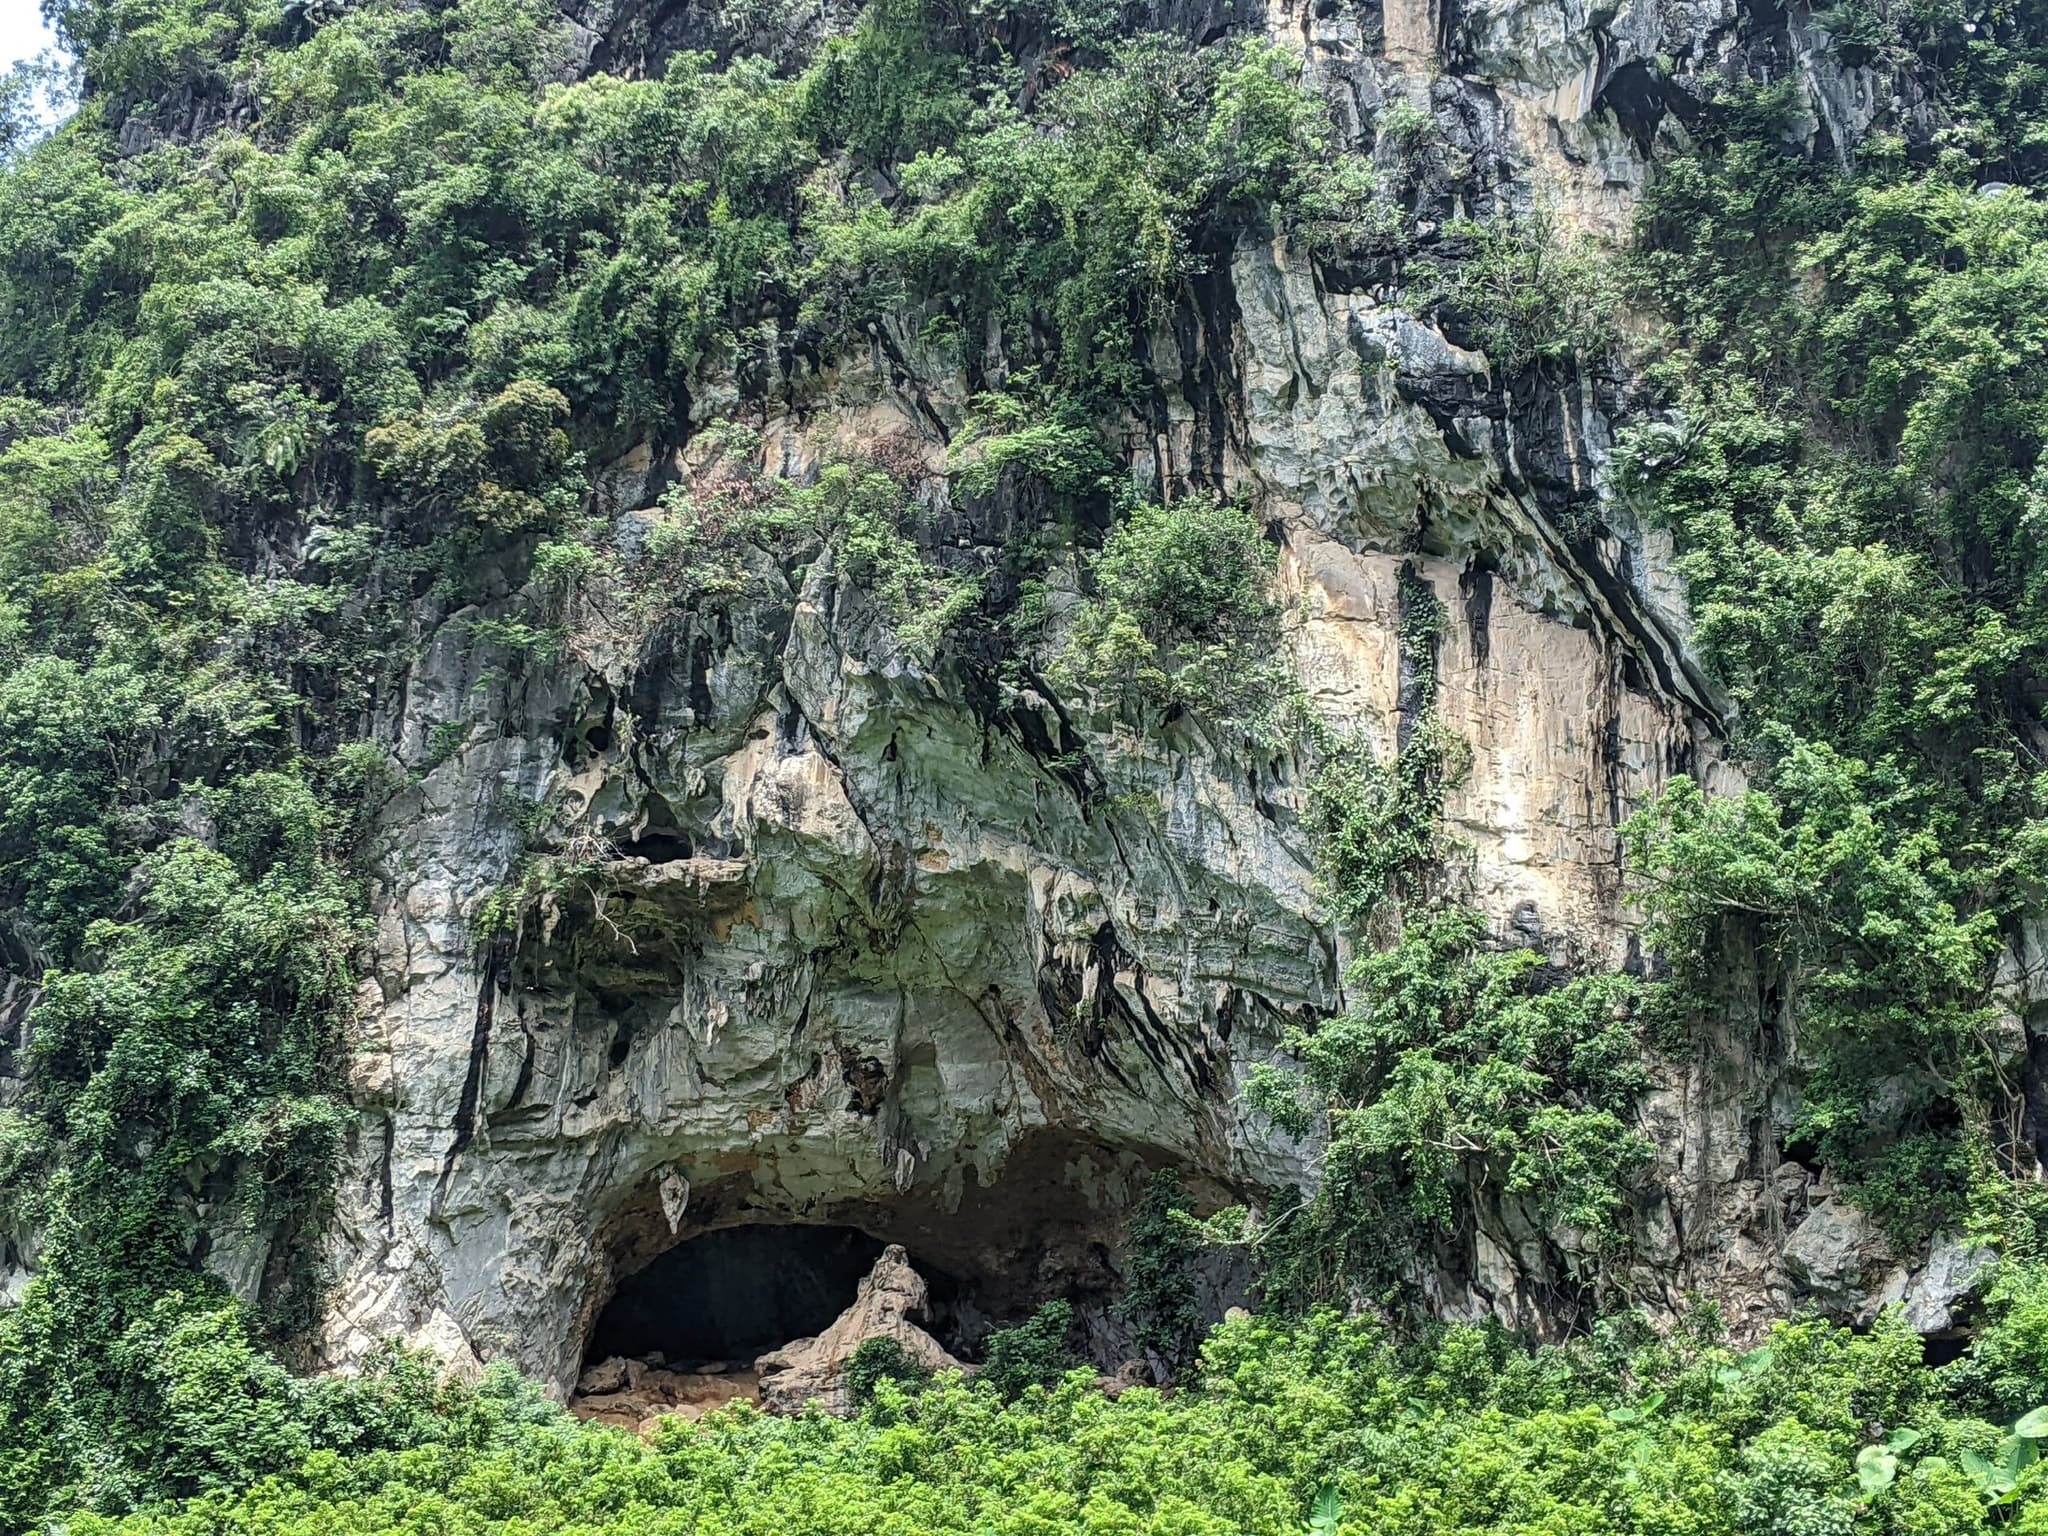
857,940
865,942
1842,1262
928,985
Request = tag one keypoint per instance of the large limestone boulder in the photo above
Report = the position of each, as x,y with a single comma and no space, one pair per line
890,1302
1840,1261
1836,1254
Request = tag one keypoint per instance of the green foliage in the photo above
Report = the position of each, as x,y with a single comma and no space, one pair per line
1159,1256
1862,907
538,879
1326,1424
68,747
2003,1375
893,88
1460,1066
1849,467
1081,219
1989,60
1522,292
195,1404
1377,825
1183,615
497,463
562,565
877,1360
1032,1354
1027,430
197,1045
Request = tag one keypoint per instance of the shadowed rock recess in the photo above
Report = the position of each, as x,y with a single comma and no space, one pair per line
848,948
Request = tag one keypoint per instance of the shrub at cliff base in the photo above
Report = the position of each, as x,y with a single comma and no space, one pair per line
1819,1431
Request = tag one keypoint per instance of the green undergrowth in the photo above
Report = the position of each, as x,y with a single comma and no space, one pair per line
1851,461
1322,1420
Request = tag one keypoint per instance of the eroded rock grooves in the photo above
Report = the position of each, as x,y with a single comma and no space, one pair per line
864,951
872,958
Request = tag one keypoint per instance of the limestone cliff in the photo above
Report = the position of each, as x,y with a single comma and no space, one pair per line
869,942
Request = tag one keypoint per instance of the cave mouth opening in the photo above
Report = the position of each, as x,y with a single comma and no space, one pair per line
733,1294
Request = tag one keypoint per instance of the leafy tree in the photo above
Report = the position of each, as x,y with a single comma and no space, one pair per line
1183,613
1460,1065
1032,1354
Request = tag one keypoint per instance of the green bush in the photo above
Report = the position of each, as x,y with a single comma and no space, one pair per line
1461,1065
877,1360
497,463
1032,1354
1524,292
1160,1251
1183,615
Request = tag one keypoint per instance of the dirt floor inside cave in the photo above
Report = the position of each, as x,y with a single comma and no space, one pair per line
636,1394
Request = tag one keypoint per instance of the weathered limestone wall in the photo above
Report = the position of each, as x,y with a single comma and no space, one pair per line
878,950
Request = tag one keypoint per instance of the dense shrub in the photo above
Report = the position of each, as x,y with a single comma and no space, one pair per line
1851,464
877,1360
1468,1432
1183,614
1460,1066
1032,1354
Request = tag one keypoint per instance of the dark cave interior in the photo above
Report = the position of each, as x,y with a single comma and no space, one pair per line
735,1293
749,1277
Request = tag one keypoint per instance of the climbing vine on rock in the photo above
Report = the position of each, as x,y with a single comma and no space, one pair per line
1161,1249
1377,824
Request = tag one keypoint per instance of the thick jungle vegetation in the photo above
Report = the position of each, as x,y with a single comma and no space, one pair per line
314,319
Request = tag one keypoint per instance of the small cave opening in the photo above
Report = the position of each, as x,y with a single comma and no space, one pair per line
658,847
1939,1349
733,1294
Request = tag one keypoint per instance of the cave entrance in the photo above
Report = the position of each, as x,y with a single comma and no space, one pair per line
733,1294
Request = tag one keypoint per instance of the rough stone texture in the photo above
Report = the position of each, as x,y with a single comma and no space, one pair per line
874,948
891,1304
637,1394
1842,1262
441,1336
867,949
879,944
